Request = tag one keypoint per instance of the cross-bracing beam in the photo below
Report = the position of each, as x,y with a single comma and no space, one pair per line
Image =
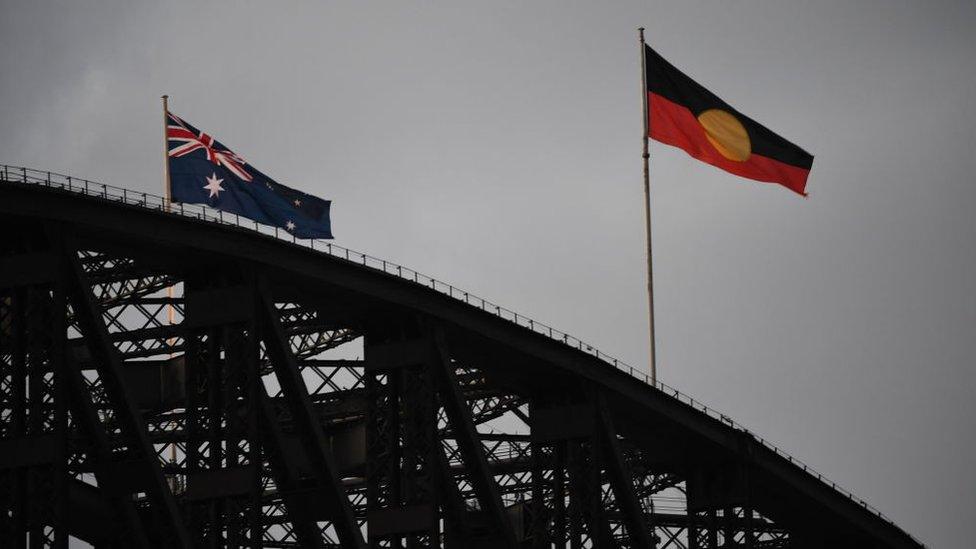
314,441
129,439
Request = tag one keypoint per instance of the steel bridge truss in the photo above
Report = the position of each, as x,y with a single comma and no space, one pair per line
169,399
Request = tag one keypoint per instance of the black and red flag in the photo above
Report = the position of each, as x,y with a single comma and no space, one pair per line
682,113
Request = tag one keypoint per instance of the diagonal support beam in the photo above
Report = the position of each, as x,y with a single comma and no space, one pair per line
286,474
86,415
621,479
109,369
464,430
296,394
456,526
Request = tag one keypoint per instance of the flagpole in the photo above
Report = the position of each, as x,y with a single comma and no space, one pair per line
171,313
170,310
647,211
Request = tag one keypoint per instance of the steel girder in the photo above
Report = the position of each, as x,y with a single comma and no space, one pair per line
242,445
187,397
224,425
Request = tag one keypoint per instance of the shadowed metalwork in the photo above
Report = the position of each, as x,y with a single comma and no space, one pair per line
171,380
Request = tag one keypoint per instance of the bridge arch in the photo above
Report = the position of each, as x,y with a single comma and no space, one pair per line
307,395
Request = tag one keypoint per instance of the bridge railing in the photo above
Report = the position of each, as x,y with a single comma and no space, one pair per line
16,174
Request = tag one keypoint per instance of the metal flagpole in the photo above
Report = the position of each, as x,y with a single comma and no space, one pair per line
170,310
647,210
167,199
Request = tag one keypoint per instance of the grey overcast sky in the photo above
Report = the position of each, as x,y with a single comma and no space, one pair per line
495,145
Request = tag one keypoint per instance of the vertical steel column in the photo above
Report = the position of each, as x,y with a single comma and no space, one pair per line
728,530
193,360
693,531
6,389
542,492
39,488
33,378
37,322
596,519
420,442
587,519
252,389
712,529
233,380
18,405
594,514
59,333
212,532
577,498
234,407
407,479
560,516
382,447
749,535
550,520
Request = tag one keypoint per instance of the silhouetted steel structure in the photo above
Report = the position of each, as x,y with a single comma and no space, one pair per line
309,396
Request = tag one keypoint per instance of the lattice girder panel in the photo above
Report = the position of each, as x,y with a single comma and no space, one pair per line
313,305
33,403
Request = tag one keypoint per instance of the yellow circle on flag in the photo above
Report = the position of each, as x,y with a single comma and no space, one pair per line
726,134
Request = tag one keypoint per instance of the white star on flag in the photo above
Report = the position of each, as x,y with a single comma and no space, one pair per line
298,202
290,226
213,185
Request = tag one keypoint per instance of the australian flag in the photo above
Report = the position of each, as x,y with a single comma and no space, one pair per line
204,171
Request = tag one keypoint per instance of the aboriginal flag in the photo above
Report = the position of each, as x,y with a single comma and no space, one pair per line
684,114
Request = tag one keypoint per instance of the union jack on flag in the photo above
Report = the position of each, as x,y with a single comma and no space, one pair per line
203,171
179,131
